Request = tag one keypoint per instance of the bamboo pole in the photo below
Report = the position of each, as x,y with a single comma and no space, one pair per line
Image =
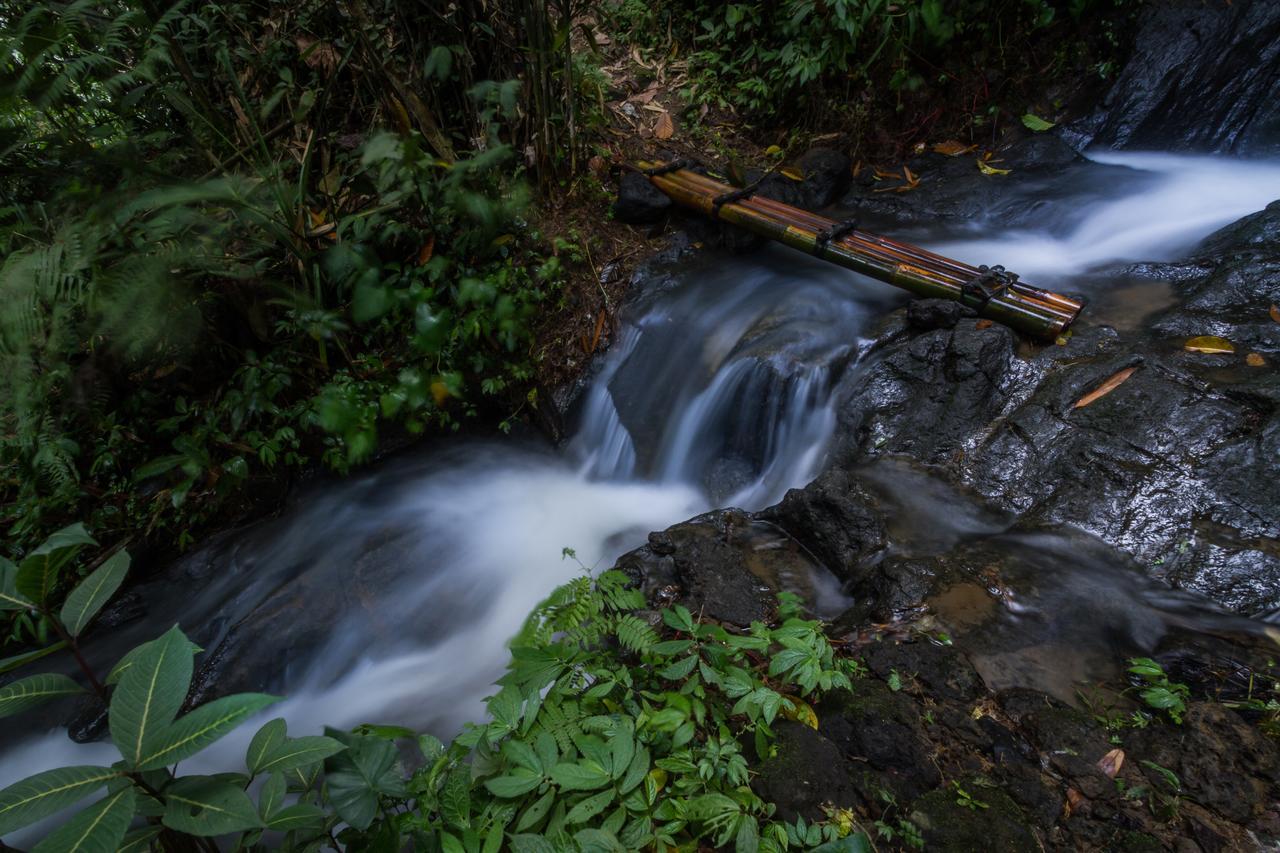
1037,312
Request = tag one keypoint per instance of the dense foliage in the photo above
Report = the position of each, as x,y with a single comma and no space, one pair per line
611,732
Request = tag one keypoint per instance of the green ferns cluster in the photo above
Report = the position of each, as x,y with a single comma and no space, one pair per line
614,729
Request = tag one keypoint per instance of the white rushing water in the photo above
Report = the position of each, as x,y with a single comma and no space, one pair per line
1182,199
719,392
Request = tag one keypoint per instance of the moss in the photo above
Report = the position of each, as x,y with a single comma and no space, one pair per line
994,826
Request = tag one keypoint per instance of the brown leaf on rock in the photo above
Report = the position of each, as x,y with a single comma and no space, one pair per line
1209,344
1255,359
792,173
1111,763
665,127
1074,800
428,249
1275,313
953,148
984,324
1112,382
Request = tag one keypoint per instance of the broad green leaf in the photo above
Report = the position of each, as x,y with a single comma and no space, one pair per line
98,829
520,780
271,796
139,840
358,775
855,843
41,795
622,747
38,573
298,752
10,598
87,598
1034,122
297,816
582,776
455,799
267,738
531,844
521,754
205,806
122,666
17,661
151,691
597,841
679,670
636,770
198,729
534,814
28,692
590,807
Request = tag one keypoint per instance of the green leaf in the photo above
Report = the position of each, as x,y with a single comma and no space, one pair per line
622,746
855,843
28,692
521,754
590,807
139,840
520,780
151,691
297,816
636,770
1034,122
271,796
39,571
10,598
535,813
358,775
299,752
681,669
206,806
87,598
18,661
455,798
597,841
41,795
98,829
582,776
271,735
198,729
531,844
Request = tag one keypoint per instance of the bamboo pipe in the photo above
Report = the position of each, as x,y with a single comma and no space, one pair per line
816,223
955,270
1029,309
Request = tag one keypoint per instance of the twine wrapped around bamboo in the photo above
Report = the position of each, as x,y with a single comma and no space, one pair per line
995,294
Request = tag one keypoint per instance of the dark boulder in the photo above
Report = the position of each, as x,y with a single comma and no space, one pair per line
805,772
639,202
1202,77
827,175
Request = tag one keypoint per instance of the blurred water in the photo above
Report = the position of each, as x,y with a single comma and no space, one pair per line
721,390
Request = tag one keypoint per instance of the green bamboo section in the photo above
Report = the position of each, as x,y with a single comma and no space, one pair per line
1036,312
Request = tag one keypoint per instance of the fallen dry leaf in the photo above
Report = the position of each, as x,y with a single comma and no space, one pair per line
428,249
1111,763
953,148
1112,383
1275,313
1255,359
1210,344
665,127
792,173
983,324
1074,799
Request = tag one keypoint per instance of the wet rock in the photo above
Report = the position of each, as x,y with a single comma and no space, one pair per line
1220,761
942,671
835,518
807,771
881,731
639,202
950,827
725,565
930,314
1202,76
827,175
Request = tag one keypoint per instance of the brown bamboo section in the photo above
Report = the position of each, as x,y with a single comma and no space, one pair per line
1036,312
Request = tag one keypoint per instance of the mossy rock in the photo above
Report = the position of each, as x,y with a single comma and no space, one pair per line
997,825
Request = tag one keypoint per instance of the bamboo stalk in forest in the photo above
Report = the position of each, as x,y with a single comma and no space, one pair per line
994,293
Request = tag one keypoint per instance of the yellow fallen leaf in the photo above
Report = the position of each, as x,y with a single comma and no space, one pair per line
1210,344
801,713
1112,383
1255,359
792,173
439,392
988,169
773,151
665,127
1111,763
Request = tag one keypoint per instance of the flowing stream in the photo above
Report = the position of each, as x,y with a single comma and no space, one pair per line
389,598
